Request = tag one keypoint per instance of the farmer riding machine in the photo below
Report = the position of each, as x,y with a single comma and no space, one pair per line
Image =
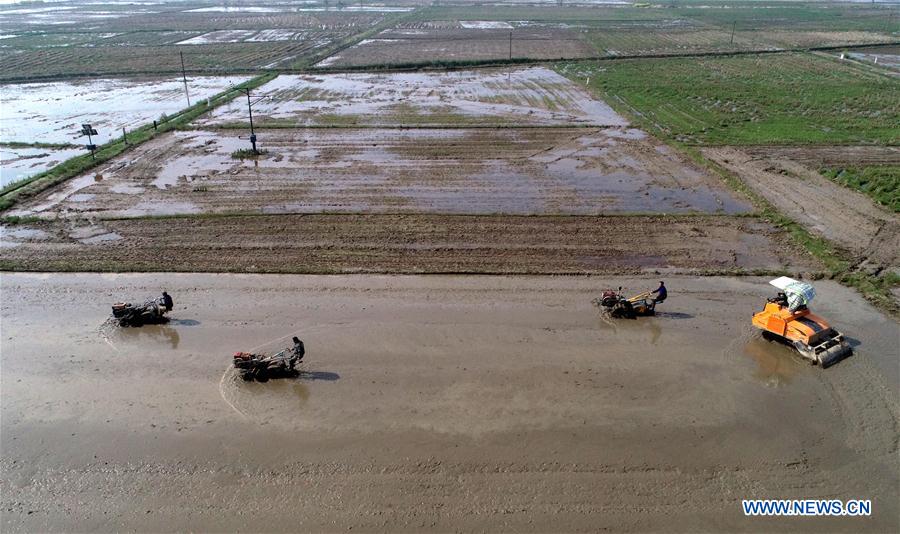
786,318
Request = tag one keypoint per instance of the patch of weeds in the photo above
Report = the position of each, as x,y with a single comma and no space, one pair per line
880,183
13,220
50,146
248,153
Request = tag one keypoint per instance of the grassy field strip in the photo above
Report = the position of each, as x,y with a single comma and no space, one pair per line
71,168
785,98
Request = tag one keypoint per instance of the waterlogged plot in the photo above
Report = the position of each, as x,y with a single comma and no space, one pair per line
221,36
17,163
266,36
370,170
887,57
54,112
80,15
536,96
485,24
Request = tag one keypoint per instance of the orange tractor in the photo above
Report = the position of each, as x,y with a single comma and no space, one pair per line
787,318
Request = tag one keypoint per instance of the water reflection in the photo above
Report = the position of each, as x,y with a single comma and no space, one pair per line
777,365
157,333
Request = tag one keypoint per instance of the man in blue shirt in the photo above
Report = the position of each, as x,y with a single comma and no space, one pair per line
661,293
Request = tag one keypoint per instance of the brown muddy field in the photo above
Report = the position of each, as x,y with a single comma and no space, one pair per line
474,171
434,404
400,46
404,244
846,217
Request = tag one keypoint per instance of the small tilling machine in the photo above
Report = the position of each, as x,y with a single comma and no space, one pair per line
617,305
152,311
261,367
787,318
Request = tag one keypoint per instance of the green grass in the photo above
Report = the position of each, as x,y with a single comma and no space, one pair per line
78,165
755,99
793,16
49,146
881,183
13,220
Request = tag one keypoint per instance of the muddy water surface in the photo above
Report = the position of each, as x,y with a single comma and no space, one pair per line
431,403
534,95
53,112
470,171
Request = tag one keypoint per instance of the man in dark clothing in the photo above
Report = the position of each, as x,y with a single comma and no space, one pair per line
167,301
299,349
661,293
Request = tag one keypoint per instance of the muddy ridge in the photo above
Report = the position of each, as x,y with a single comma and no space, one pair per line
403,244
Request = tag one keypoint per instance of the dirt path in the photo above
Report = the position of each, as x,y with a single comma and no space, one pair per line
433,404
845,217
403,244
826,156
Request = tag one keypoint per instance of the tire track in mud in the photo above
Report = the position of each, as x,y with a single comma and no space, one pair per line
259,405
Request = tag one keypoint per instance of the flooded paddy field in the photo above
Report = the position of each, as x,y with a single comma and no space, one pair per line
459,33
529,96
53,112
18,162
887,57
64,41
407,243
432,404
467,171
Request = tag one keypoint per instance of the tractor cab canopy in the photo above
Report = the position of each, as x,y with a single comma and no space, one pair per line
798,293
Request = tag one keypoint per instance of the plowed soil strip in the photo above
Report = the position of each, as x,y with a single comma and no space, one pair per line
402,244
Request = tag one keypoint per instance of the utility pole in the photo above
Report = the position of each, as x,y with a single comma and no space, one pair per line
510,46
124,137
184,77
250,110
733,26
